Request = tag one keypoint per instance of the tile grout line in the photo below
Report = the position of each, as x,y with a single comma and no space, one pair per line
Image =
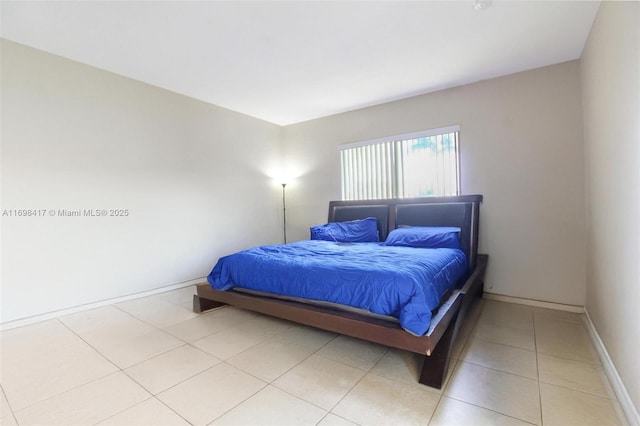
604,398
452,368
490,409
306,358
58,319
224,361
270,383
11,413
245,399
386,349
123,410
72,389
157,328
569,359
535,344
444,386
500,344
334,414
486,340
118,369
455,364
594,366
172,386
257,344
501,371
167,300
89,344
180,382
330,411
540,381
202,315
461,360
186,343
172,410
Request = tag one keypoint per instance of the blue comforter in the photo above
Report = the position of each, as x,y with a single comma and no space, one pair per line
403,282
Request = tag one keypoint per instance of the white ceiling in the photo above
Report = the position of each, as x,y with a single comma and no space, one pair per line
291,61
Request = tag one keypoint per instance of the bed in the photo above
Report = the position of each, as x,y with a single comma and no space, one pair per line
435,341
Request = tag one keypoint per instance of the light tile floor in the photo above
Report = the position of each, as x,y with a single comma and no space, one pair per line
152,361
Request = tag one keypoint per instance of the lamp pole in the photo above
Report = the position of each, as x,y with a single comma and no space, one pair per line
284,215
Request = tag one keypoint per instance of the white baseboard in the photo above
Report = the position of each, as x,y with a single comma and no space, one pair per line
55,314
630,410
536,303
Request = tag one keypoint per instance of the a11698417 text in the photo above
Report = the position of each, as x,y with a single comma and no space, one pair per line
65,213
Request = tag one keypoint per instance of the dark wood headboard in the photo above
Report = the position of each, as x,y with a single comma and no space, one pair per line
460,211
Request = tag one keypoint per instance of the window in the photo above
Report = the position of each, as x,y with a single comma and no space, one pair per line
413,165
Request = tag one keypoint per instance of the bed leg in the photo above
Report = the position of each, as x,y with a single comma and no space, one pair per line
435,366
201,304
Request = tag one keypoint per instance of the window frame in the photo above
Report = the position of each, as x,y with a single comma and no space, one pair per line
399,138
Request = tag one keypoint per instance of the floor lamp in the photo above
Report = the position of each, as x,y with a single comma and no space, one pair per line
284,214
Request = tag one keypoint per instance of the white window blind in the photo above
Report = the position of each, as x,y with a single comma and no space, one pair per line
413,165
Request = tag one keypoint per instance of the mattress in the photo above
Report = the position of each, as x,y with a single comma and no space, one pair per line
406,283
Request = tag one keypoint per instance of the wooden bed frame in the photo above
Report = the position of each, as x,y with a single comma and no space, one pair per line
437,343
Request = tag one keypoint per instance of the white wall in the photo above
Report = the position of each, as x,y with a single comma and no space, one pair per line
192,175
521,146
611,101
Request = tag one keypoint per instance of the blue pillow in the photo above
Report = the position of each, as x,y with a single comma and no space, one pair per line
425,237
355,231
